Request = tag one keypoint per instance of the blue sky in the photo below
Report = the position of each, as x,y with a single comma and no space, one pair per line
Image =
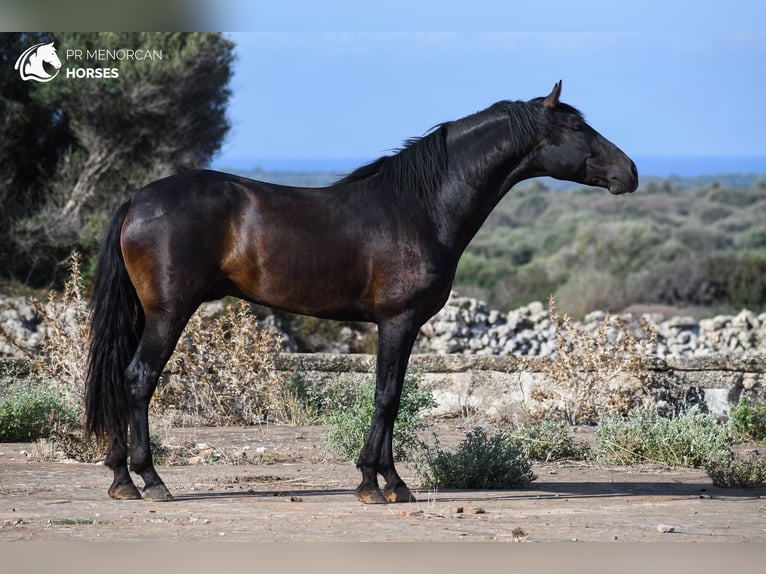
692,85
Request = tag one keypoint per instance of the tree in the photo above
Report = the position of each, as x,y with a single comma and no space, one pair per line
102,139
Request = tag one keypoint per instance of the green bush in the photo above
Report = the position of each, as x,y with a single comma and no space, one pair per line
29,410
748,421
691,439
550,440
482,460
731,470
346,429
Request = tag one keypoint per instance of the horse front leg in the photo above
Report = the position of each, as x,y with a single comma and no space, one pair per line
395,340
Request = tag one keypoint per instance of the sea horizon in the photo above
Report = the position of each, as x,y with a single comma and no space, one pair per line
648,166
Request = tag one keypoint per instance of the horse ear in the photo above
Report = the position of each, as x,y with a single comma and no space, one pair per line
552,100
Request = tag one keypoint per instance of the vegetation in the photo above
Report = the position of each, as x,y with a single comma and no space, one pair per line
483,460
550,440
690,439
748,420
31,409
730,470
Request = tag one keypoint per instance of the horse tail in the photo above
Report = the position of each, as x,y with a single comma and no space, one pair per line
117,321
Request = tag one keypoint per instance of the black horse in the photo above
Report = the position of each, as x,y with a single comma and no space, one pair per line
380,245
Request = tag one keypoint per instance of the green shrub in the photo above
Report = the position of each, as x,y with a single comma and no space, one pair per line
550,440
482,460
29,410
691,439
748,421
346,429
731,470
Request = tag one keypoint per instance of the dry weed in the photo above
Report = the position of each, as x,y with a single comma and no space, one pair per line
223,371
63,357
591,373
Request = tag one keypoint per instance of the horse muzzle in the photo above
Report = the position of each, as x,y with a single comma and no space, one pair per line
626,181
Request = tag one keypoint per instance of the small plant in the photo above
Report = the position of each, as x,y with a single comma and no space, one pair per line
592,373
30,409
730,470
748,420
550,440
690,439
346,428
483,460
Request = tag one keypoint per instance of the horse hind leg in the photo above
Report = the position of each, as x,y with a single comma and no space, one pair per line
122,487
157,343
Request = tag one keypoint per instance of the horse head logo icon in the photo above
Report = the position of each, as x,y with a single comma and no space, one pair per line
31,63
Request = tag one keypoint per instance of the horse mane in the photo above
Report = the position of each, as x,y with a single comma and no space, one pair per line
421,163
418,165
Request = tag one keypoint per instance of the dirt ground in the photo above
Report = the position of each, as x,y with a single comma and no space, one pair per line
284,490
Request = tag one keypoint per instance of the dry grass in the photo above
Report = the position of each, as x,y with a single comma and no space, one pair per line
223,372
592,373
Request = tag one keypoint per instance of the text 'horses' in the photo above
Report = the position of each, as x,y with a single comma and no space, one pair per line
380,245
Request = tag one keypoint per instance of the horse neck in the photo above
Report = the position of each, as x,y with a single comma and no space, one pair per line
484,163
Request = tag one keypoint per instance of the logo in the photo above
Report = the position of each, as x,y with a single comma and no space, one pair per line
31,63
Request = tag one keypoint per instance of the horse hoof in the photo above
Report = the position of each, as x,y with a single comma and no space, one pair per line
370,495
126,491
158,493
400,493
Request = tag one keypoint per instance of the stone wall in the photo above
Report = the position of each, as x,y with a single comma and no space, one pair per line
497,387
467,325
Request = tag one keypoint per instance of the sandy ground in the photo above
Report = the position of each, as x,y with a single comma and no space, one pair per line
289,492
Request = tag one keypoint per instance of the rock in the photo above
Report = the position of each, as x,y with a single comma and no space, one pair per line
746,320
594,317
665,528
535,308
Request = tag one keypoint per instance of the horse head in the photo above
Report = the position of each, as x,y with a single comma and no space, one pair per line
574,151
47,53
